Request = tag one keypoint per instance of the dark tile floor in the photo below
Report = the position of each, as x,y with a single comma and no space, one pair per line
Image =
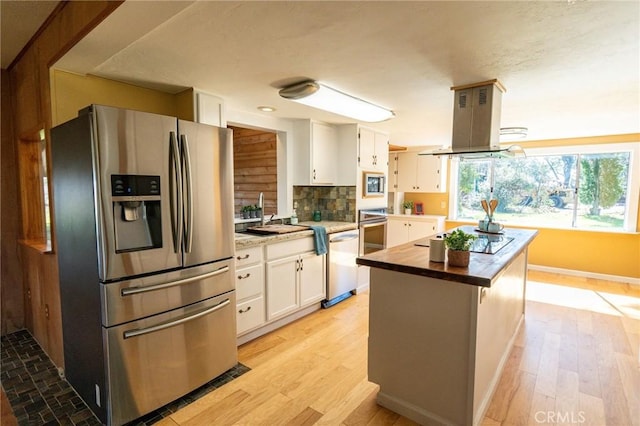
38,396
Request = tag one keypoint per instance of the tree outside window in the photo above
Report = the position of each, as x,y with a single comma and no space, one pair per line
541,190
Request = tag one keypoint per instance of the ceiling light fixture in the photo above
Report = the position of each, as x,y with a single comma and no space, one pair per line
266,108
512,133
317,95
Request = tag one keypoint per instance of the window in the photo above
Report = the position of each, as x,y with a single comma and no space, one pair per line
583,187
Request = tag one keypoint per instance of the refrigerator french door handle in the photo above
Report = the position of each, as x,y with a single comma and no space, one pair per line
189,202
137,290
175,188
152,329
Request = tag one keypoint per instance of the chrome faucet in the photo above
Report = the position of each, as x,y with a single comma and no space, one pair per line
261,207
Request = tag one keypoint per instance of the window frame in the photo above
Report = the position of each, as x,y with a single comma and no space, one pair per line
631,207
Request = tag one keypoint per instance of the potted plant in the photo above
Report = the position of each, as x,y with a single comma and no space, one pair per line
458,244
253,211
407,206
246,212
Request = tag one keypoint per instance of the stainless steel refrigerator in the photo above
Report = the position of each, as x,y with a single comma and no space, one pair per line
143,213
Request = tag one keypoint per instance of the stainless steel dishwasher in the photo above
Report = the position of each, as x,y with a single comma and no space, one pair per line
342,271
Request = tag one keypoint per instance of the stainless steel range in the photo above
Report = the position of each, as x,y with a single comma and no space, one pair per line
144,231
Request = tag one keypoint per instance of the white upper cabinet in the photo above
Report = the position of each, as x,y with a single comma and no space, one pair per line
209,109
393,172
316,153
404,228
360,149
421,173
373,149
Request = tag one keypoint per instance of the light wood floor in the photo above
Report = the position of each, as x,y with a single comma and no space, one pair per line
575,361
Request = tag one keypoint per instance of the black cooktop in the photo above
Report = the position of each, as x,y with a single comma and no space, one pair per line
490,243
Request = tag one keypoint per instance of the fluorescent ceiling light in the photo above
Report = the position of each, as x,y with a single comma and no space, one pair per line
319,96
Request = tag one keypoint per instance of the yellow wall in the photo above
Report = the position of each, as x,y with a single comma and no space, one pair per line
184,105
72,92
611,253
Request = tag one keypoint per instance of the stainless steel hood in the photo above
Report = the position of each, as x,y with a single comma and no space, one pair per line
476,122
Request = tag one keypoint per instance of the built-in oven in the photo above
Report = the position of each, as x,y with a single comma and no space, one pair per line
373,230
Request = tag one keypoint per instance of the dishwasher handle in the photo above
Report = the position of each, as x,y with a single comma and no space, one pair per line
343,238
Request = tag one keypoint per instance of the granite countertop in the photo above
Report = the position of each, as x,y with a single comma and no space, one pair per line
482,271
246,240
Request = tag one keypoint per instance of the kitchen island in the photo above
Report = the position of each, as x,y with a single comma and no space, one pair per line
439,335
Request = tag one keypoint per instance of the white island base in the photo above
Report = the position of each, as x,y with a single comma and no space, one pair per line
437,348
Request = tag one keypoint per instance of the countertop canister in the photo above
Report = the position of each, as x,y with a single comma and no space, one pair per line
436,249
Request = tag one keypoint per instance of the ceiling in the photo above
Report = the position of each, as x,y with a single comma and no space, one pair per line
19,21
571,69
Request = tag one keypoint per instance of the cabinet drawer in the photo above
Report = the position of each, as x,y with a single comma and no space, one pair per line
248,256
289,248
249,282
250,314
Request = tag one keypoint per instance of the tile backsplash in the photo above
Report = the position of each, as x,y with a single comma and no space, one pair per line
334,202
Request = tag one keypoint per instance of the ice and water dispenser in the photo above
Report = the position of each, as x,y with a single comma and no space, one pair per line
136,212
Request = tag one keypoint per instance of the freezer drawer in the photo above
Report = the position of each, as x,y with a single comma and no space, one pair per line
153,361
138,298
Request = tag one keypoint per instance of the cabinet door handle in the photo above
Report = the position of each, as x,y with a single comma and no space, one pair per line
297,265
301,264
242,311
242,277
246,256
314,174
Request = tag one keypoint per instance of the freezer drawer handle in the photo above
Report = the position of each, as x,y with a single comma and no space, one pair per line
142,331
137,290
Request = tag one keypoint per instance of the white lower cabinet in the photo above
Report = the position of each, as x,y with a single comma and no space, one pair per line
282,286
312,279
249,289
274,283
296,277
402,229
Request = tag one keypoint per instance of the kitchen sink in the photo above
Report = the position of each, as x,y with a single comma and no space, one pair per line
276,229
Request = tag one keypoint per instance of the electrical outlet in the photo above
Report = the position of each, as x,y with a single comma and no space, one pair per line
443,205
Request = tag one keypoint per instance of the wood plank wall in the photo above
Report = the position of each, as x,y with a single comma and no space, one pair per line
30,109
255,168
12,307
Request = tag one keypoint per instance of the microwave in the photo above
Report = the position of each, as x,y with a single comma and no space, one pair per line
373,184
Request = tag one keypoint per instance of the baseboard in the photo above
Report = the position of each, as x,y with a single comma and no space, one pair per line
362,288
585,274
410,411
271,326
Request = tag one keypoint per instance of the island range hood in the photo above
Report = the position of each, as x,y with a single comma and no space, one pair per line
476,122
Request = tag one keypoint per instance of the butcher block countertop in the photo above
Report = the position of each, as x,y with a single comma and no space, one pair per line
246,240
483,268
